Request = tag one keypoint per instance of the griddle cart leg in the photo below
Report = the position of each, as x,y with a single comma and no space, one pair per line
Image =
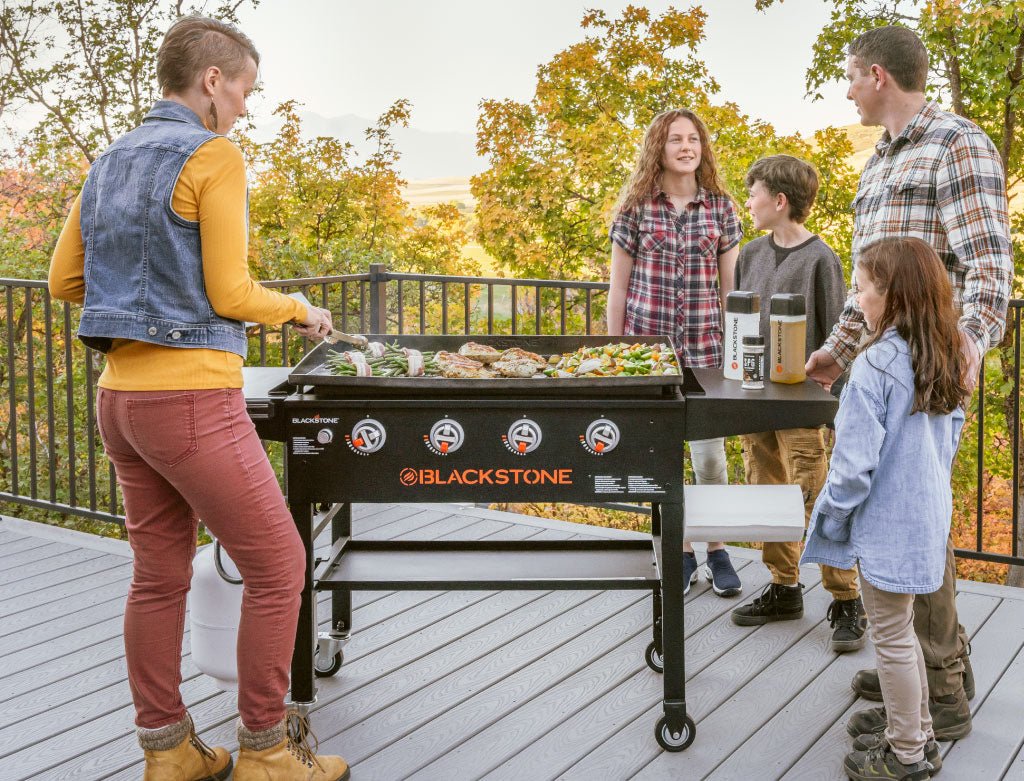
303,687
675,730
341,599
653,655
330,655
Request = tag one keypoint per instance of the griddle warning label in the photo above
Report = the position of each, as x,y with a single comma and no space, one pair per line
608,484
306,446
634,484
638,484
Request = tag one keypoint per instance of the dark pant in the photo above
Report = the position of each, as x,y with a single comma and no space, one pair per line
181,456
943,640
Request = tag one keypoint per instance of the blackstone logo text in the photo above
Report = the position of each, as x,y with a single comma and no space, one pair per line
410,476
315,419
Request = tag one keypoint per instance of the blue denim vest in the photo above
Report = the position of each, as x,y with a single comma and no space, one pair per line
143,262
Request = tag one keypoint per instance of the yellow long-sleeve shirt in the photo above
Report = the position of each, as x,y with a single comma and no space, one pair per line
212,191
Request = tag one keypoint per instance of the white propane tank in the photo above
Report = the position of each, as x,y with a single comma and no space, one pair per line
215,608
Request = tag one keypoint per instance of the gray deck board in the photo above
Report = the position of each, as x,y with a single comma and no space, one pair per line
495,685
999,670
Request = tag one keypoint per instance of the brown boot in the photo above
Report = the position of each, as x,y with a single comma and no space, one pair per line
175,753
282,753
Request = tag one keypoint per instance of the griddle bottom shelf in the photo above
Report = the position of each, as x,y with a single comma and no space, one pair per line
431,565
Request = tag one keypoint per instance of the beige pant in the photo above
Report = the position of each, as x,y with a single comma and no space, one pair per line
901,671
794,456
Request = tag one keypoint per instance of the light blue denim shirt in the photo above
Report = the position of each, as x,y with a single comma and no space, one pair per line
887,502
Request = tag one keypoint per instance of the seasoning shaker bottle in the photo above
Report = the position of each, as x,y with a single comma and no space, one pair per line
742,318
753,362
787,322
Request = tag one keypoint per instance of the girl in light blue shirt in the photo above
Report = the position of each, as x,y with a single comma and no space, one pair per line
887,504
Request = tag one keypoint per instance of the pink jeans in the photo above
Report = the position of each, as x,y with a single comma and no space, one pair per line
181,456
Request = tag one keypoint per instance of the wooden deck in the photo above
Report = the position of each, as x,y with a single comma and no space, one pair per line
496,685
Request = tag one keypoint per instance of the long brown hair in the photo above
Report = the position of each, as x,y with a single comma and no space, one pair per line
646,178
919,305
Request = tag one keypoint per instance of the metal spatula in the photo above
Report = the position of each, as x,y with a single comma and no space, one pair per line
356,340
335,336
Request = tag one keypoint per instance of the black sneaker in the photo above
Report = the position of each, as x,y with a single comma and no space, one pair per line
720,574
689,571
873,740
776,603
846,617
881,763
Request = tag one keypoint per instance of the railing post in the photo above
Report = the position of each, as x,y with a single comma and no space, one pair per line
378,298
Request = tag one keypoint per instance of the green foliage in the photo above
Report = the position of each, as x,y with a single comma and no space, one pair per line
89,64
315,209
557,163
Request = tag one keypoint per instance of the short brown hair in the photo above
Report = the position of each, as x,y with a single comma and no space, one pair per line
195,43
898,50
791,176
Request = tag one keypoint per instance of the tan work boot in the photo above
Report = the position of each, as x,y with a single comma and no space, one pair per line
175,753
282,753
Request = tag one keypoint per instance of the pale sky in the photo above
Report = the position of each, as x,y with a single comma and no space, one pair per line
345,57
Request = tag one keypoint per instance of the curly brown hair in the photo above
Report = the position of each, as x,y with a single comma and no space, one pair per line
646,177
919,305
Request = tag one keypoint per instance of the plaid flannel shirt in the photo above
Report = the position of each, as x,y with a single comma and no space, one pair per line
942,181
673,288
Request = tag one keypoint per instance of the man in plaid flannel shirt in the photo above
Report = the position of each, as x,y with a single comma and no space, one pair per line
936,176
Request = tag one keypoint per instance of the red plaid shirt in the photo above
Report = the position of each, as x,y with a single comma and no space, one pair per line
674,289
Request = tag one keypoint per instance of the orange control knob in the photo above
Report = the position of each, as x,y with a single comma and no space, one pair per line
599,446
444,447
358,442
522,447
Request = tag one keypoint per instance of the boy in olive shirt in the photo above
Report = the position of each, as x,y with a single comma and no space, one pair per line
791,259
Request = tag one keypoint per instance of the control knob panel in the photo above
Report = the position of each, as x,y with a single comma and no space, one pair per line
446,436
368,436
602,436
524,436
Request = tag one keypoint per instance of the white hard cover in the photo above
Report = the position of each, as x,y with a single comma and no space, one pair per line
744,513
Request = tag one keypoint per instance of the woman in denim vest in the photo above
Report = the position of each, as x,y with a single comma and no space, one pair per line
155,249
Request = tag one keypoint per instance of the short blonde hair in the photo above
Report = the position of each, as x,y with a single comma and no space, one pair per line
195,43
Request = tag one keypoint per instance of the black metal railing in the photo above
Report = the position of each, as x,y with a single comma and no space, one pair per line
51,456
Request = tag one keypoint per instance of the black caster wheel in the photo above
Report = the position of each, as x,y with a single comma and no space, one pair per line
325,668
654,659
675,742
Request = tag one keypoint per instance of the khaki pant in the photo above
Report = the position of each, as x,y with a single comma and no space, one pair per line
943,640
794,456
901,671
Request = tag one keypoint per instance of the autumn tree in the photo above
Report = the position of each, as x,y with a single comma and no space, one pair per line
88,65
976,51
558,162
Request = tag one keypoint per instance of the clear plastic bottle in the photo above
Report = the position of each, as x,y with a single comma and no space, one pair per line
742,318
787,322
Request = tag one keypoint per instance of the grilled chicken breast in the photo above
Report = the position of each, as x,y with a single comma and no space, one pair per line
458,366
480,352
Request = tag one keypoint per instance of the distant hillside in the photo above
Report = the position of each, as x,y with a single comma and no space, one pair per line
425,154
426,192
863,140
